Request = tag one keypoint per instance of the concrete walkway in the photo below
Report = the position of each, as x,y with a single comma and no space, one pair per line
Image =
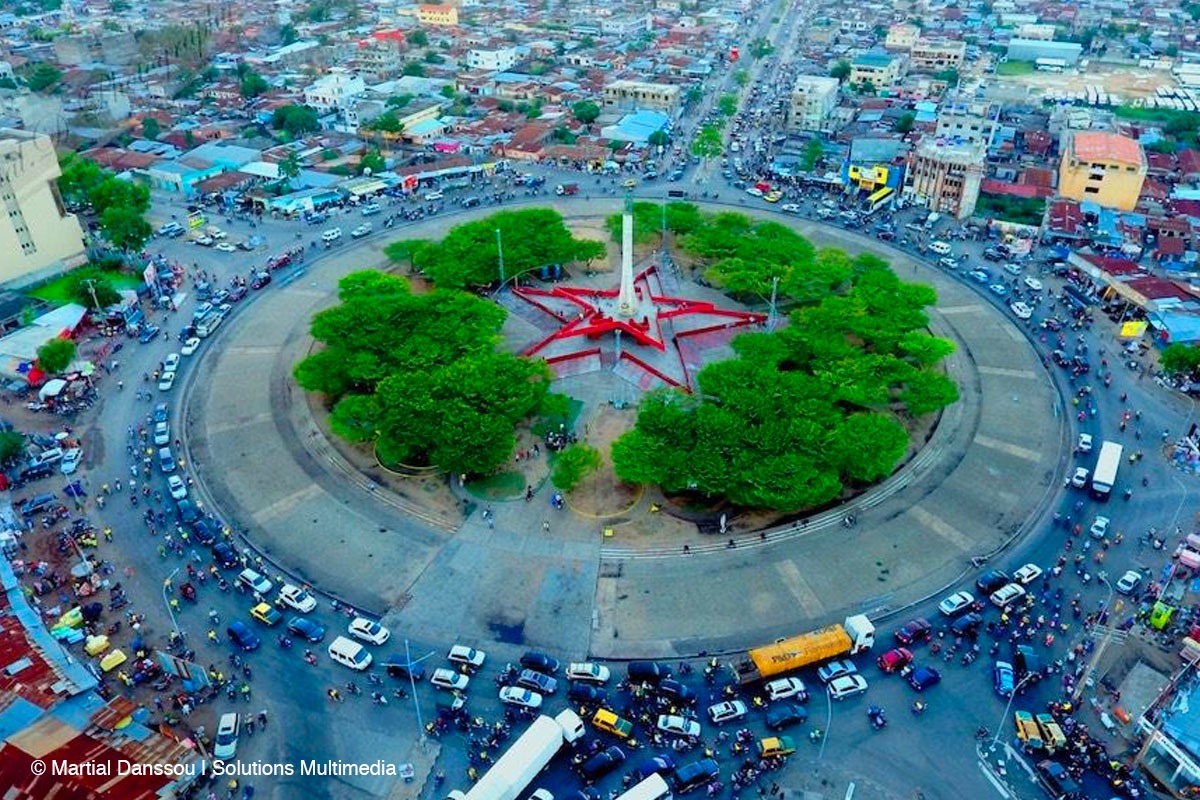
990,464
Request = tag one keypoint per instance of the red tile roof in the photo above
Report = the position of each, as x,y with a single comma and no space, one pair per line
1113,266
1158,289
1189,161
24,670
1101,146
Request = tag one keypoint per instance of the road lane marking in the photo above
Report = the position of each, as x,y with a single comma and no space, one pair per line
287,503
942,528
1007,447
1006,372
805,596
974,308
239,423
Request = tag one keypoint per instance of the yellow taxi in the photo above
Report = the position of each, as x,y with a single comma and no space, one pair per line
1052,733
609,722
773,196
776,746
1027,730
266,614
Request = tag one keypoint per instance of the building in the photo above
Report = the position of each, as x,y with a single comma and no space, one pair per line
495,59
873,164
628,95
37,235
437,15
901,36
945,177
880,69
927,55
1033,49
638,127
1105,168
967,124
626,26
334,91
813,98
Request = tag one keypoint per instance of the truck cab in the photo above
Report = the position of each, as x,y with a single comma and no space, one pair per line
566,189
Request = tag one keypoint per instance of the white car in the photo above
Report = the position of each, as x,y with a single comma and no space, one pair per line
171,362
790,208
1129,581
680,726
1033,283
1020,310
1099,527
516,696
225,745
1085,443
177,487
461,654
592,673
361,231
296,598
847,686
785,687
162,433
226,247
754,191
1080,478
727,711
835,669
454,681
1007,594
190,346
368,630
255,582
166,381
956,603
70,461
1027,574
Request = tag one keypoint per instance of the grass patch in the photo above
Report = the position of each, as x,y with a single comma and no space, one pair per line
1021,210
499,486
56,291
1011,68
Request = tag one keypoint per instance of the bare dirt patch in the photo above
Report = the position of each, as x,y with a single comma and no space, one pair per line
601,494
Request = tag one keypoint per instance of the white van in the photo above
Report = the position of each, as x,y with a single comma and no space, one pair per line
1012,269
941,248
349,653
208,326
332,235
434,196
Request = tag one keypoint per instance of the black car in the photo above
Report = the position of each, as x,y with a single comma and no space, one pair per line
663,765
306,629
187,511
967,625
697,774
677,692
260,280
647,671
914,631
237,293
241,636
224,555
37,503
148,334
585,693
992,580
784,715
1058,781
602,763
401,668
32,473
204,531
540,661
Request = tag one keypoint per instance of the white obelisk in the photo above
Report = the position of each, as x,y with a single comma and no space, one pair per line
627,297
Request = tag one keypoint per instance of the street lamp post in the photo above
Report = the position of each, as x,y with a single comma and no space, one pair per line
1087,673
411,681
167,602
1007,708
500,258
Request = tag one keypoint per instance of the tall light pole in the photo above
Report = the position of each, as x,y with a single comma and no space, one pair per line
167,602
1091,667
408,660
1007,708
500,258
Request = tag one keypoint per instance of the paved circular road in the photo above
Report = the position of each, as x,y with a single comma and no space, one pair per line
992,463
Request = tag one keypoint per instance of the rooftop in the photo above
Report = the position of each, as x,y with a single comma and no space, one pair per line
1101,146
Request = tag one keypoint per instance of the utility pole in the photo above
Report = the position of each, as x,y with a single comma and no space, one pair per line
500,258
771,309
408,660
91,284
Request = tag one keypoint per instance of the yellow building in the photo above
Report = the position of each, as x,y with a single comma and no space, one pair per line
37,236
437,14
1102,167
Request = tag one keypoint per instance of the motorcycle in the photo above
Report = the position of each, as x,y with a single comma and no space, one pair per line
284,642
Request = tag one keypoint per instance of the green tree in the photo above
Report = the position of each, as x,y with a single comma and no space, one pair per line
125,228
91,289
447,91
866,87
659,139
693,95
840,70
253,85
56,355
813,151
413,69
585,111
418,38
387,122
12,447
708,143
43,77
288,34
950,76
741,78
904,123
399,101
290,166
433,57
1180,359
760,48
574,464
80,178
295,120
727,104
150,128
372,160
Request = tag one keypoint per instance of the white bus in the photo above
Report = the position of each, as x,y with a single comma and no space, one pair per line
652,788
1104,477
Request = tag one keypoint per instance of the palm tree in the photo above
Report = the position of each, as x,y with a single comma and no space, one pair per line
289,167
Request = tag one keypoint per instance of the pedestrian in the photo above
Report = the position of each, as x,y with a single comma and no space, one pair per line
546,525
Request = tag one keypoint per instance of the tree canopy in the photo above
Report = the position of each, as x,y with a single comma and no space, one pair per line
586,111
56,355
295,120
681,218
120,206
803,413
419,374
708,142
531,238
1178,358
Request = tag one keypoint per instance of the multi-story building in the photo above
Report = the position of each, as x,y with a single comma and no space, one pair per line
813,98
967,123
1105,168
626,25
945,177
437,14
494,59
879,69
901,36
37,235
927,55
334,91
630,95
